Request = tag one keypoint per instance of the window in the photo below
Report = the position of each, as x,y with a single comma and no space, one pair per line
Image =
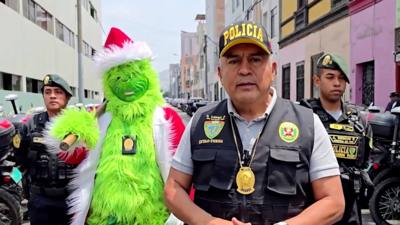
301,4
300,81
265,20
86,93
88,50
300,18
65,34
274,20
93,11
10,82
368,87
38,15
33,85
286,81
14,4
337,3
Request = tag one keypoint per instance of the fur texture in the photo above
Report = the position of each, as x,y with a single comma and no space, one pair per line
128,188
114,56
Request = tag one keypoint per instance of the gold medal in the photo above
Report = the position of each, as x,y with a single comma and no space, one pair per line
245,180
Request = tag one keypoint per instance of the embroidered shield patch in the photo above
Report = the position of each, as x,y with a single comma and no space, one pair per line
213,127
288,132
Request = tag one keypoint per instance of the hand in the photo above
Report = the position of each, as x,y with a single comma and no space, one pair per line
237,222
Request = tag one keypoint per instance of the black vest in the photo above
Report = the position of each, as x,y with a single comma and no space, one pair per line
45,170
349,141
281,167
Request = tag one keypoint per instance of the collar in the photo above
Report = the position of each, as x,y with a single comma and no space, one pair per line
268,110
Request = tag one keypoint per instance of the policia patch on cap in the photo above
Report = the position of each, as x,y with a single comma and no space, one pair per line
244,32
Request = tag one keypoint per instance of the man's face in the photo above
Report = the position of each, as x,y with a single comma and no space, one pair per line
246,72
55,98
331,83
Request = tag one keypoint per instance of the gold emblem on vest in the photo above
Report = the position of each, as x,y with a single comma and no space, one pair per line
245,180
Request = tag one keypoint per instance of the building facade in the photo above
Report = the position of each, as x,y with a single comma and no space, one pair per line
40,37
372,60
174,79
189,51
270,20
309,29
199,74
215,23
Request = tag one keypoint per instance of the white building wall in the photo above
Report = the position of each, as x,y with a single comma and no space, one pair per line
28,50
215,22
267,7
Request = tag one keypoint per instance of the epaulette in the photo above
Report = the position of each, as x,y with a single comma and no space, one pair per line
312,103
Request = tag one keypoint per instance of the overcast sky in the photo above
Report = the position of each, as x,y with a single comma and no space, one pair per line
157,22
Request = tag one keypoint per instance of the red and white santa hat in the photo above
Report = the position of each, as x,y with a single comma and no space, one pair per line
119,49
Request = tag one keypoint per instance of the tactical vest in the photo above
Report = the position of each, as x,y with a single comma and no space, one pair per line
281,164
49,175
349,143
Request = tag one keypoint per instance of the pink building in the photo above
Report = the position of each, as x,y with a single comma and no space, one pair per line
372,62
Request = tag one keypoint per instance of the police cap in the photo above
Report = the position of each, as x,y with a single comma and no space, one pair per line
53,80
244,32
334,62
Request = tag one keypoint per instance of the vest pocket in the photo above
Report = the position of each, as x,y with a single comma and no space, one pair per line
203,168
282,166
214,167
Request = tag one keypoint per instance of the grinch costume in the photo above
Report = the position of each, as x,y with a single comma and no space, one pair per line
130,144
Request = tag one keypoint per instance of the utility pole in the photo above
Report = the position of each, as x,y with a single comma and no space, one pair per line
205,69
80,67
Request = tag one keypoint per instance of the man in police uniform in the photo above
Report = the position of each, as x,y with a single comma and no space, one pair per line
342,123
48,174
254,158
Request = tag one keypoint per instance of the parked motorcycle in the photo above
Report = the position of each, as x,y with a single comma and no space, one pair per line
384,204
10,177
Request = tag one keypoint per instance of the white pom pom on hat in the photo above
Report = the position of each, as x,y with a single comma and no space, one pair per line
119,49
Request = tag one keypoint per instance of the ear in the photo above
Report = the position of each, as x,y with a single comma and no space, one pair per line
273,69
219,73
317,80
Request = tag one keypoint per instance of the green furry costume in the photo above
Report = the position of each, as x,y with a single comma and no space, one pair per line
127,189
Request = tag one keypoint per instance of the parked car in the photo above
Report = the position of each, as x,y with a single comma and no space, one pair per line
191,106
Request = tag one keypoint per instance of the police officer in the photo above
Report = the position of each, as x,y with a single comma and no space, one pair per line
254,157
48,174
342,122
